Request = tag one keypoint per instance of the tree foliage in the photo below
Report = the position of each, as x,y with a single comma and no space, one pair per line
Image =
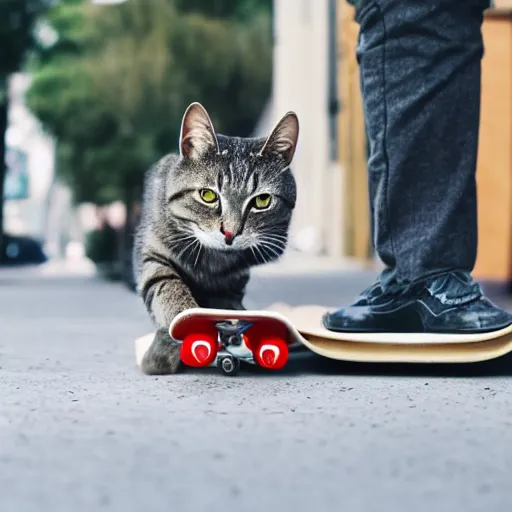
114,87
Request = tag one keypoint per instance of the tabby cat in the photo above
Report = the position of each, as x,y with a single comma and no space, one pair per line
221,206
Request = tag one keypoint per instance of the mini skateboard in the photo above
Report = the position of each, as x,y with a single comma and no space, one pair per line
224,338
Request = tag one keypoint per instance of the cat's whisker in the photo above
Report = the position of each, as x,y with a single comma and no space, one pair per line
190,244
279,241
184,234
180,239
255,258
274,239
279,245
269,252
183,239
271,249
192,256
265,234
262,256
198,253
253,253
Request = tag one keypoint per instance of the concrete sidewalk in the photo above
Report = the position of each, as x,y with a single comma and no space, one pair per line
82,430
291,263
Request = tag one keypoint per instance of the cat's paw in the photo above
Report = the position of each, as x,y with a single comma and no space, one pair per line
163,356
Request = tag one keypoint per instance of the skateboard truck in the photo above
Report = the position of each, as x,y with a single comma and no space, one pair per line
226,345
231,332
232,348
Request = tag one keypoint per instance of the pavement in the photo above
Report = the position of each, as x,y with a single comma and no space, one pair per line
82,430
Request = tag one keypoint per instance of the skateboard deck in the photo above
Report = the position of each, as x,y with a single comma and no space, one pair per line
302,325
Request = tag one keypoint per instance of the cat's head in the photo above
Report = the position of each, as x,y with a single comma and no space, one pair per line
234,194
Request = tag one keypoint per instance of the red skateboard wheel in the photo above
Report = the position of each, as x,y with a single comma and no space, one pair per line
198,349
271,353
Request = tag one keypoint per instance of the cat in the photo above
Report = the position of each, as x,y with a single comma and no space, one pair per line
210,213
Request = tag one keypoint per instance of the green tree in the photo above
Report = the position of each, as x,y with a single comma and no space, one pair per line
242,10
17,18
114,88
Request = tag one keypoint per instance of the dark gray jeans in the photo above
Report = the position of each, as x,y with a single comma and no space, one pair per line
420,64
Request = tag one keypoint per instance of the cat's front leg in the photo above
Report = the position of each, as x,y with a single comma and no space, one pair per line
163,355
165,295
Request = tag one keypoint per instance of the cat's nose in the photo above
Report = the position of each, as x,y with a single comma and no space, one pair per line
228,235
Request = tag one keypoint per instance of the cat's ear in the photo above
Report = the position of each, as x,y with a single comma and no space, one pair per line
197,134
283,139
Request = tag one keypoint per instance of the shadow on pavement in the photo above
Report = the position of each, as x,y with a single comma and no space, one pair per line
312,364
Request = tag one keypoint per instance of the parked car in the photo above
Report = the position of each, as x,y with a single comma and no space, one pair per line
21,250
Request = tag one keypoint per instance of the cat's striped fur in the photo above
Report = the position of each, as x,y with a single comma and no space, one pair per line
190,252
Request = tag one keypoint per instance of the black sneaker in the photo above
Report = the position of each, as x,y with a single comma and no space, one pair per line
452,303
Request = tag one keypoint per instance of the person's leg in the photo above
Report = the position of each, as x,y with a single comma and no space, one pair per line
420,78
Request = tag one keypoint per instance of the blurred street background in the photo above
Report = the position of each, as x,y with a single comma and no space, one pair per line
92,93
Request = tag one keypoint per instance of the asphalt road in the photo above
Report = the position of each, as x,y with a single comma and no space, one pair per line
82,430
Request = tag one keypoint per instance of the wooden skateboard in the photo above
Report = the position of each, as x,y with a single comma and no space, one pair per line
223,338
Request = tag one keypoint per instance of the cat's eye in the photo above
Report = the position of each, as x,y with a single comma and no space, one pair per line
208,195
262,201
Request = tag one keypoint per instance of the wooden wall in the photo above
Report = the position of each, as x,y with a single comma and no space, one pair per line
494,171
352,139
